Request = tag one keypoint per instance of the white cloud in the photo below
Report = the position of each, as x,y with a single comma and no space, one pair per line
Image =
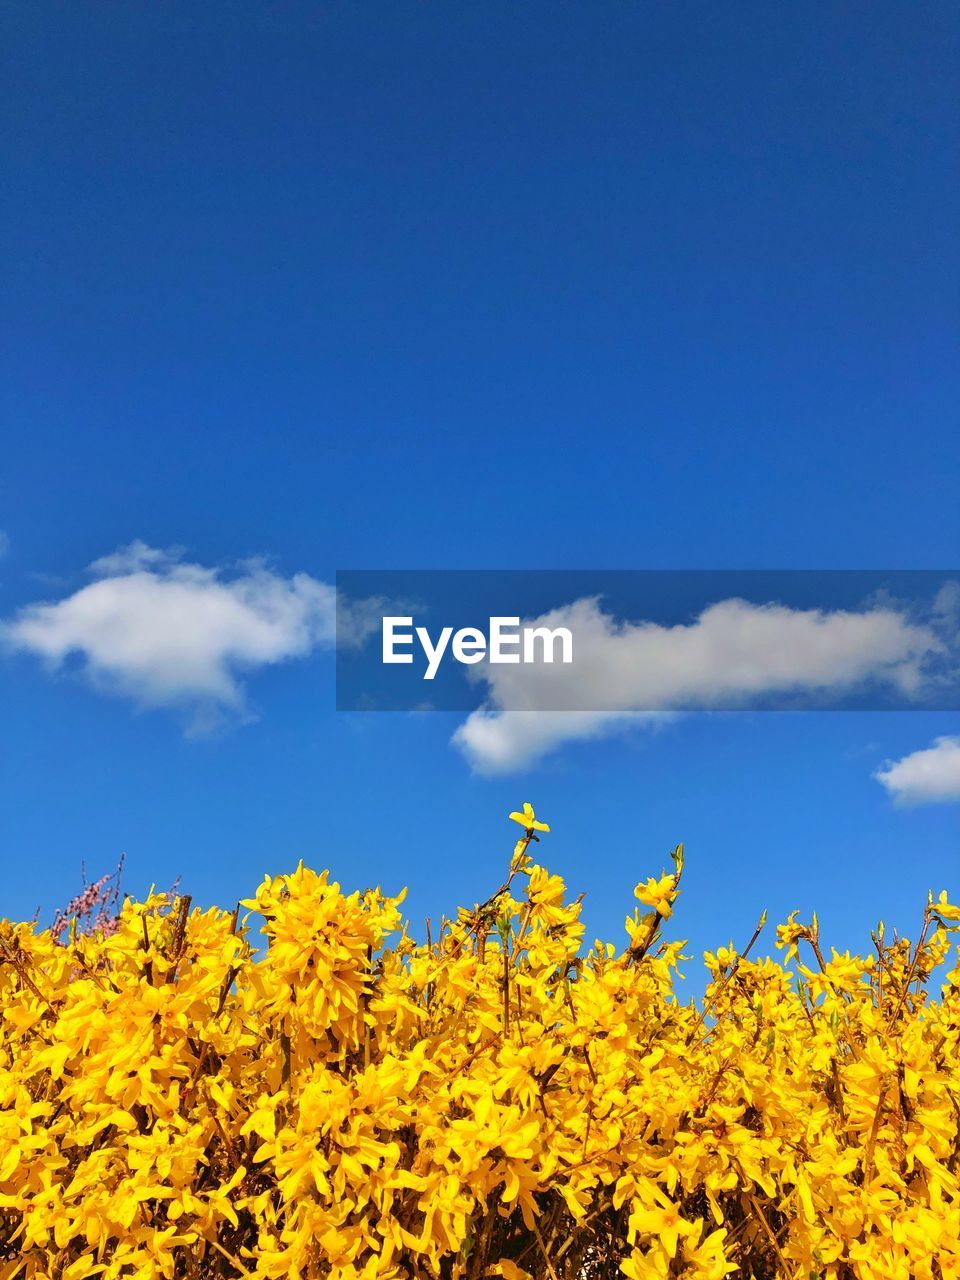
506,741
171,634
946,606
931,776
134,556
4,544
734,654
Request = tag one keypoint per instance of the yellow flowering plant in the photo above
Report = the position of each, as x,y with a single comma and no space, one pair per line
498,1100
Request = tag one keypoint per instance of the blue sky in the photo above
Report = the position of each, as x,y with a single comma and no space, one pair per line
422,286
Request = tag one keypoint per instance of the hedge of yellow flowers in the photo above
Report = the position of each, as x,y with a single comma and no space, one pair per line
498,1100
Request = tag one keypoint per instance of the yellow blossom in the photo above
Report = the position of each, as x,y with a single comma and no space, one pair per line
658,894
528,820
347,1102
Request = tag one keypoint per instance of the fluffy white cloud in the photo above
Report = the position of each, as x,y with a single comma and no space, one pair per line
931,776
166,633
134,556
506,741
734,654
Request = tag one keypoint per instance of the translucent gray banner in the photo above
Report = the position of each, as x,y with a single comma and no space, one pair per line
647,642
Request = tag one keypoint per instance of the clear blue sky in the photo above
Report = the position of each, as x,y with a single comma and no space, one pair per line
461,286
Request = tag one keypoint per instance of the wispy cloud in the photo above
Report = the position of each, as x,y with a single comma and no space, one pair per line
4,544
734,654
930,776
165,632
507,741
136,555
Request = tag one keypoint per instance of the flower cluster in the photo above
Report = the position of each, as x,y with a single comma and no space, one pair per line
500,1100
95,909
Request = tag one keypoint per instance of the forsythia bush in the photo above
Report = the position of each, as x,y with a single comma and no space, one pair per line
351,1104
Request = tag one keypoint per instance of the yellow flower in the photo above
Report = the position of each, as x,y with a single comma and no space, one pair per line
663,1221
658,894
528,820
707,1260
946,910
348,1103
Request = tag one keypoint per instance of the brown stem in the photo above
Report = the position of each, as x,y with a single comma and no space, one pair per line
506,992
913,965
25,978
729,976
768,1231
543,1250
